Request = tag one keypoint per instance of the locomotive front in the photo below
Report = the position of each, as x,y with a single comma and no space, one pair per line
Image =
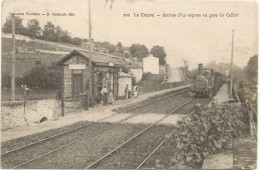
201,86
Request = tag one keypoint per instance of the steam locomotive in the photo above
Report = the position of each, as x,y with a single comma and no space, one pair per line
204,83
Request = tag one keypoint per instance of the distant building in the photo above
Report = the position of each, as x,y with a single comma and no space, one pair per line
151,64
136,71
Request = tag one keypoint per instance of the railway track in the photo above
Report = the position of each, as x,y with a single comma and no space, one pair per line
109,154
159,145
144,104
20,149
88,124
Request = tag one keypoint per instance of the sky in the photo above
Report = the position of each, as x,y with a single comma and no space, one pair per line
197,40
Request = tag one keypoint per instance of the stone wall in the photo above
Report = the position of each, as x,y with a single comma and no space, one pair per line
13,114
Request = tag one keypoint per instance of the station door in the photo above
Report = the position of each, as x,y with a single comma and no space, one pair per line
77,84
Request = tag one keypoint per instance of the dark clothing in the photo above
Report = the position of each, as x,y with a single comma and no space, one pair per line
126,92
105,99
104,93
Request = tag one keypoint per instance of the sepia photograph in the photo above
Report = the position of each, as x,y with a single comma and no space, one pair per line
129,84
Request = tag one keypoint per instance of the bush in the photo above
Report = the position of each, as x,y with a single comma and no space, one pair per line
6,81
146,76
76,41
208,130
44,77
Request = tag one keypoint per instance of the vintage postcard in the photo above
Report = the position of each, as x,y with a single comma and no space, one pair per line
129,84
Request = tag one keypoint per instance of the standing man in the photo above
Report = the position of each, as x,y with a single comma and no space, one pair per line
104,93
126,92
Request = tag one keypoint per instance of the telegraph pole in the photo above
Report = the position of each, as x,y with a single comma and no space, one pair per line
90,56
231,70
13,61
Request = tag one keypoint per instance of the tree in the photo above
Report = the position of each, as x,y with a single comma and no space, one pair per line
7,28
139,51
120,47
76,41
49,32
44,77
119,44
59,33
111,48
159,52
66,39
251,70
84,40
34,28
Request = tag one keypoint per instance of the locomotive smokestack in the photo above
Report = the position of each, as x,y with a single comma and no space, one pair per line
200,69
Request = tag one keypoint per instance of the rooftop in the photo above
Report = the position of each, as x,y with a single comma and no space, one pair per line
97,58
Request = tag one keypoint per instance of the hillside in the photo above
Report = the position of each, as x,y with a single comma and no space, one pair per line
28,55
30,52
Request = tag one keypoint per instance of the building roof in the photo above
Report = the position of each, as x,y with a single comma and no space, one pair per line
122,74
133,66
97,58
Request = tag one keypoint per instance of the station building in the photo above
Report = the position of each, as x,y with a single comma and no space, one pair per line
75,68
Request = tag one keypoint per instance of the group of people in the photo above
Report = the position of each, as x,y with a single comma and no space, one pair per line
107,97
128,93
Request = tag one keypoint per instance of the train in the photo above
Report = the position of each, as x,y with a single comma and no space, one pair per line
207,82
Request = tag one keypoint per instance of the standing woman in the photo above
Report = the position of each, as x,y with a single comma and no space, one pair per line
110,97
135,91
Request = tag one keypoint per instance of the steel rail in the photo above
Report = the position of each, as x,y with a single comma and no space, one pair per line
164,100
24,163
133,137
68,131
131,109
148,157
103,129
51,137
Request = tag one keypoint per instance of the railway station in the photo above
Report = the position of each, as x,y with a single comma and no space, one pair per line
76,74
95,88
151,113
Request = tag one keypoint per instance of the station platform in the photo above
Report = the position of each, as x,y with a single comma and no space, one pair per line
93,114
222,95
